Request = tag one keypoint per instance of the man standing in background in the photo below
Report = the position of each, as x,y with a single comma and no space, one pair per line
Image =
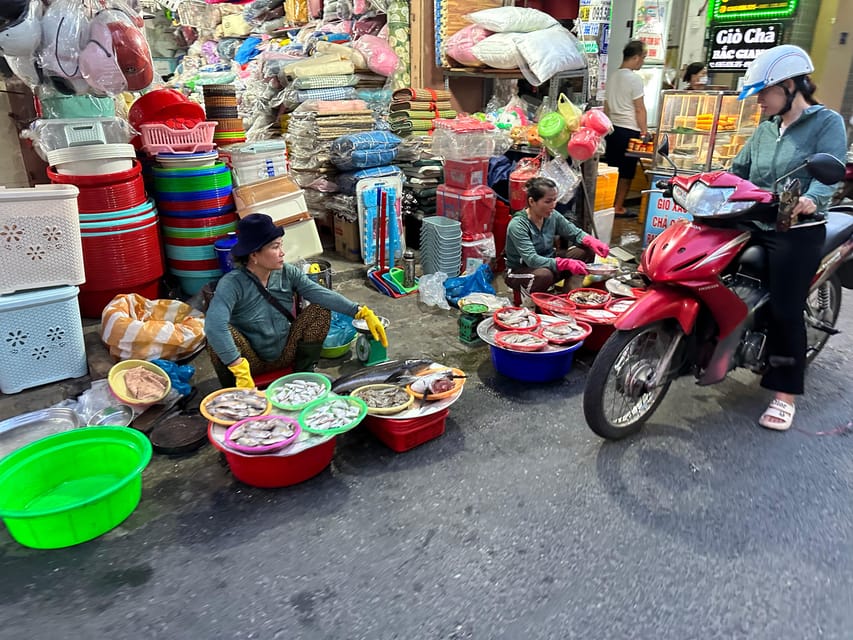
624,104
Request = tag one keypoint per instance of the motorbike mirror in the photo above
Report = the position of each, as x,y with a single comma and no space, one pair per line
825,168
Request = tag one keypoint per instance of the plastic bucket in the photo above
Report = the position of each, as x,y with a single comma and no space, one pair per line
324,276
72,487
222,248
533,367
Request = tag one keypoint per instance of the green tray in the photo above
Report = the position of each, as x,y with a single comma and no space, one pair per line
325,400
397,277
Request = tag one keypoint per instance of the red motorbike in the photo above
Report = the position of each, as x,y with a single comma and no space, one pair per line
706,312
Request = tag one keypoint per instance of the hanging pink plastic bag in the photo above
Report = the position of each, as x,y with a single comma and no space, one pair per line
596,120
583,144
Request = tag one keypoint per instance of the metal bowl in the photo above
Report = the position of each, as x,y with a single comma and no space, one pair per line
119,415
599,269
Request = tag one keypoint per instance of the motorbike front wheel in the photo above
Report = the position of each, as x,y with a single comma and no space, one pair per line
620,393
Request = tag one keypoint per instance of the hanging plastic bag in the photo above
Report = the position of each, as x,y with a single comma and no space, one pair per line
566,178
478,282
570,112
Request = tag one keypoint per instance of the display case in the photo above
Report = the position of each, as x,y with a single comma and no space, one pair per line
706,129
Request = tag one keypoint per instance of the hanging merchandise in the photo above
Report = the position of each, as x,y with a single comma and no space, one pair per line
583,144
20,39
566,178
65,31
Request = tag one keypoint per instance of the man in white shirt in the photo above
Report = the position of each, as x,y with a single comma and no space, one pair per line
627,111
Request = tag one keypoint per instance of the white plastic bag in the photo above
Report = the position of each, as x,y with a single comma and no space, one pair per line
431,290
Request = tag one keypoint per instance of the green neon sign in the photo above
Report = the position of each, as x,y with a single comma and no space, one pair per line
753,9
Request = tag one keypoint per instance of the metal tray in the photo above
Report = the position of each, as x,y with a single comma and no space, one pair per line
28,427
487,330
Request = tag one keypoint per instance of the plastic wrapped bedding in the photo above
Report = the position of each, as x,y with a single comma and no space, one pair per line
346,145
543,54
348,180
329,93
365,158
325,82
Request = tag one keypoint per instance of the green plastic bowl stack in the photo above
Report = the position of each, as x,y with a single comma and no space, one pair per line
73,486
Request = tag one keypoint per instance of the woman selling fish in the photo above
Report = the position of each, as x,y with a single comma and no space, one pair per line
250,326
530,240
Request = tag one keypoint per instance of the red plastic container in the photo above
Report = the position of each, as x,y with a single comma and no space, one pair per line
109,192
466,174
197,223
194,265
194,242
474,208
502,218
92,303
274,471
402,435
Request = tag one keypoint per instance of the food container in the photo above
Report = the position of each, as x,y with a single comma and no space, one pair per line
93,160
403,435
419,388
508,327
466,174
550,303
236,446
117,385
72,487
540,366
576,293
28,427
224,421
585,330
601,322
383,411
302,460
504,339
120,415
306,376
319,405
339,351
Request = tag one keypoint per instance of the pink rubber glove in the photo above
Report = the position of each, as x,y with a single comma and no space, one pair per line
596,245
576,267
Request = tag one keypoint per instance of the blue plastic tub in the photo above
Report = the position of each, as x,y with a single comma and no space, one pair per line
534,366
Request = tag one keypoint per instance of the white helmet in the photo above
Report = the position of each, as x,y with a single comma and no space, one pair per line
773,66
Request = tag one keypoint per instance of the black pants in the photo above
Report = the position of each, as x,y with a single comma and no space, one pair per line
793,258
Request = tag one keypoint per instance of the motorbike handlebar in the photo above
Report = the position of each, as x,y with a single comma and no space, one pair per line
663,184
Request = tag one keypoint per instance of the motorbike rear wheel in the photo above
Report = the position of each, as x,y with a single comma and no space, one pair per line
617,399
822,305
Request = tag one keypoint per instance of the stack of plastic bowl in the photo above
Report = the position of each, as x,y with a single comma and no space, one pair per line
198,209
441,245
120,237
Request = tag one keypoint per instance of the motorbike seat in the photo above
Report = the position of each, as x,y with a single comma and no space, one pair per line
839,228
753,262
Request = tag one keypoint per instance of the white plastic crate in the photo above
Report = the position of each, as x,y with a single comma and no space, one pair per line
40,244
278,208
41,338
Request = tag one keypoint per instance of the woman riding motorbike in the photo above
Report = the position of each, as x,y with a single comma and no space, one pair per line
797,127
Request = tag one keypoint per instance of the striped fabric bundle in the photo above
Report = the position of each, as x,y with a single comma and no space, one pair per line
421,115
330,93
325,82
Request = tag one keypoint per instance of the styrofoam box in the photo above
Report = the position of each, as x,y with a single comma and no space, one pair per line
41,338
40,244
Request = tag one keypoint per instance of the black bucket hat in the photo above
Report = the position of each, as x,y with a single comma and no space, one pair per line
253,232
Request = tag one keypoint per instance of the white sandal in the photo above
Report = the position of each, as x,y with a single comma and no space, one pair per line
778,416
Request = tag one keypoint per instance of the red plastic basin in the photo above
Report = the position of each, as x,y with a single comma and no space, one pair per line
402,435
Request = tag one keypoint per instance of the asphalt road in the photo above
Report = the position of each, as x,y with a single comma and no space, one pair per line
517,523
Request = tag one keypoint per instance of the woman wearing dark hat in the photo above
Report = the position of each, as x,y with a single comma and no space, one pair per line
249,324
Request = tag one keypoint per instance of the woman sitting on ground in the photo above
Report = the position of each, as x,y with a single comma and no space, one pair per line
250,325
530,241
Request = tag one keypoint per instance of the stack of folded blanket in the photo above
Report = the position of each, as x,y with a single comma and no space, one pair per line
413,110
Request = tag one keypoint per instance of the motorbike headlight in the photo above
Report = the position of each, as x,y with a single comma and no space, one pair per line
679,194
728,208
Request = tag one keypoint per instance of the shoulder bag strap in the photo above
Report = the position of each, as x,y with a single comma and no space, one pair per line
269,298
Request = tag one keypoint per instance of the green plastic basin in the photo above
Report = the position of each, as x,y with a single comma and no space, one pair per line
73,486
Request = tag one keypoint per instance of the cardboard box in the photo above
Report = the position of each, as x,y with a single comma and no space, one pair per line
252,194
347,242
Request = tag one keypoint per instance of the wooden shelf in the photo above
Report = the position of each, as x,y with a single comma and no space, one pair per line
483,72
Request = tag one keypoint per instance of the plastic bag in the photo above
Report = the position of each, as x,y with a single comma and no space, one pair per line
431,290
380,56
341,331
478,282
65,31
179,375
566,178
570,112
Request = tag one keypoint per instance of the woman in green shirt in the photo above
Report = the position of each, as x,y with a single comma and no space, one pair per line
247,332
530,240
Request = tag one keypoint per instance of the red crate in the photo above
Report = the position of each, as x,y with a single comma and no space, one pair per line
474,208
465,174
402,435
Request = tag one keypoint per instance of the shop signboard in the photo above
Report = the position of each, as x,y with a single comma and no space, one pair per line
734,46
661,213
743,10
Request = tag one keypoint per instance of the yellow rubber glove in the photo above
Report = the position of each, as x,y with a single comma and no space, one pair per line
314,268
374,324
242,374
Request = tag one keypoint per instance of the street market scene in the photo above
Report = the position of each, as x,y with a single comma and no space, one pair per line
421,319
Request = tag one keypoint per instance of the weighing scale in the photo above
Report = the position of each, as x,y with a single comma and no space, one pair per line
470,318
368,350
